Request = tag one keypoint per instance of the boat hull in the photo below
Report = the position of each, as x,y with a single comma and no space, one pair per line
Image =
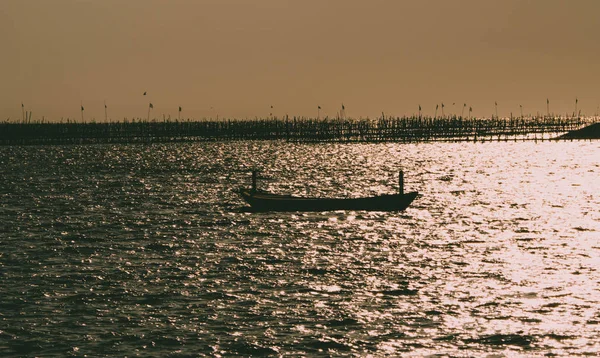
262,201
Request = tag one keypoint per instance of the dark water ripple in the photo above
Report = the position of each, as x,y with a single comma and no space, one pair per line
146,250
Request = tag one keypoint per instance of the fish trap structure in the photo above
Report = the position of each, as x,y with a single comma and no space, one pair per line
407,129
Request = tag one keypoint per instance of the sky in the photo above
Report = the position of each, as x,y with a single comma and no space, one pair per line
237,58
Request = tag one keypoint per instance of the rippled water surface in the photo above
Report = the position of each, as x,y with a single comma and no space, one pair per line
147,250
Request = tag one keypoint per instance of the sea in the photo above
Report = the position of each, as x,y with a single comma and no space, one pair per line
147,250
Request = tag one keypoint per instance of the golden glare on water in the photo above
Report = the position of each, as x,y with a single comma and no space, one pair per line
498,255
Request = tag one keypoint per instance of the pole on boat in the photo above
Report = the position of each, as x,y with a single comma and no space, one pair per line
254,173
401,183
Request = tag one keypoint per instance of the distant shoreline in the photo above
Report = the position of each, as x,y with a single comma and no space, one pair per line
589,132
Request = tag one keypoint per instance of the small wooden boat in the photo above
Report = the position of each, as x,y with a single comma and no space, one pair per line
264,201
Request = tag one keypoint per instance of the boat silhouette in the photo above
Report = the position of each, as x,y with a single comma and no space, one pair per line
261,200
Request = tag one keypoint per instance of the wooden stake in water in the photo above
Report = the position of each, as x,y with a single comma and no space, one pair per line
179,115
496,105
81,112
576,101
150,106
23,112
401,183
105,112
436,109
521,106
318,112
548,106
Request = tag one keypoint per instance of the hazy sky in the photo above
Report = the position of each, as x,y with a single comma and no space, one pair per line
236,58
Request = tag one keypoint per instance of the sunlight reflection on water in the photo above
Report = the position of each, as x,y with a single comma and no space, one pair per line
146,250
